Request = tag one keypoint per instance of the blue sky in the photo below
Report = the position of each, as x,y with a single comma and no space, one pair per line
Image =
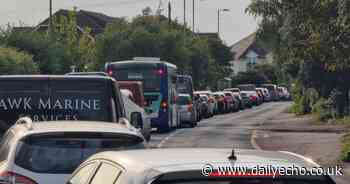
235,24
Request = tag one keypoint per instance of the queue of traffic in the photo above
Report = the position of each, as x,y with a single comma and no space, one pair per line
73,128
242,97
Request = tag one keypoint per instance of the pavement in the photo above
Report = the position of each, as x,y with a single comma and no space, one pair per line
318,141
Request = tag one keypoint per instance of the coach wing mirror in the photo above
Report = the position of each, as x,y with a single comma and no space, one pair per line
136,120
148,111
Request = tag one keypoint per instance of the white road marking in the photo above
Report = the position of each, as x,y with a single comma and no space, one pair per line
168,137
252,140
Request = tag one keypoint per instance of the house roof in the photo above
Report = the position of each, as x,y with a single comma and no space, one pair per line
22,29
96,21
242,47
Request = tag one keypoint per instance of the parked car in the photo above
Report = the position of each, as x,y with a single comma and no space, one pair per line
131,108
48,152
53,98
272,90
261,97
193,166
197,100
211,101
186,109
222,104
242,103
253,96
205,106
184,85
232,100
283,93
266,94
247,100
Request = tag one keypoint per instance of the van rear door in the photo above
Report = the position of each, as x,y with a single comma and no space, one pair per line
81,99
21,97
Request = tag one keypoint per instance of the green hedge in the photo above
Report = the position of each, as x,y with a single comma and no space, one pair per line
15,62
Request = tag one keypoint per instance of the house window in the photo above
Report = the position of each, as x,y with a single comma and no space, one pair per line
251,62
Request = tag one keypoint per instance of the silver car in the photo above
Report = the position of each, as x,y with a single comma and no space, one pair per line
186,110
193,166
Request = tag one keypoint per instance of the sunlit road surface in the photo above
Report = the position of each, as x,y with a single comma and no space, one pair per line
222,131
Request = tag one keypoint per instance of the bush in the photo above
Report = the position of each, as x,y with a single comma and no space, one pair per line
15,62
345,153
321,110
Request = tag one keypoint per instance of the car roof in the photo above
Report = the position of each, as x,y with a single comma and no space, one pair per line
202,92
184,95
185,159
55,77
219,93
136,62
23,130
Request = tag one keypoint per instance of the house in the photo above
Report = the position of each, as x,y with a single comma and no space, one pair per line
247,53
97,22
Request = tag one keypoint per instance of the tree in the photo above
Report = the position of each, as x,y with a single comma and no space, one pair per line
14,62
312,37
87,52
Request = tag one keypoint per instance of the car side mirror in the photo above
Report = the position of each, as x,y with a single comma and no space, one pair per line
125,122
148,111
136,120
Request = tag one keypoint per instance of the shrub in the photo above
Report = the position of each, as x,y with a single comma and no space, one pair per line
15,62
345,153
321,110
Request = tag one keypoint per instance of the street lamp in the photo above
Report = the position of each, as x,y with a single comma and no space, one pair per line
194,13
219,11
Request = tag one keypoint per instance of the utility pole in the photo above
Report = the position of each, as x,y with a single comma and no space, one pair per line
219,11
193,16
50,19
169,13
219,22
185,14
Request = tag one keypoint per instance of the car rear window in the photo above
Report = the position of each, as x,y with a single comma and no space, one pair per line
183,100
62,153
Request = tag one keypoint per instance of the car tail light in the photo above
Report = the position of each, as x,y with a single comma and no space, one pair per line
110,72
253,98
190,107
159,72
164,105
14,178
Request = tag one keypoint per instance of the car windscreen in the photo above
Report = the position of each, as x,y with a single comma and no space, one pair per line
62,153
183,100
149,76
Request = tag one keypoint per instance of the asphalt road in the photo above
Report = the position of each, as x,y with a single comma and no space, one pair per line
223,131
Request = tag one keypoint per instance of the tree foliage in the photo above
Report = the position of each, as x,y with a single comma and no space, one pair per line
152,36
310,40
14,62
